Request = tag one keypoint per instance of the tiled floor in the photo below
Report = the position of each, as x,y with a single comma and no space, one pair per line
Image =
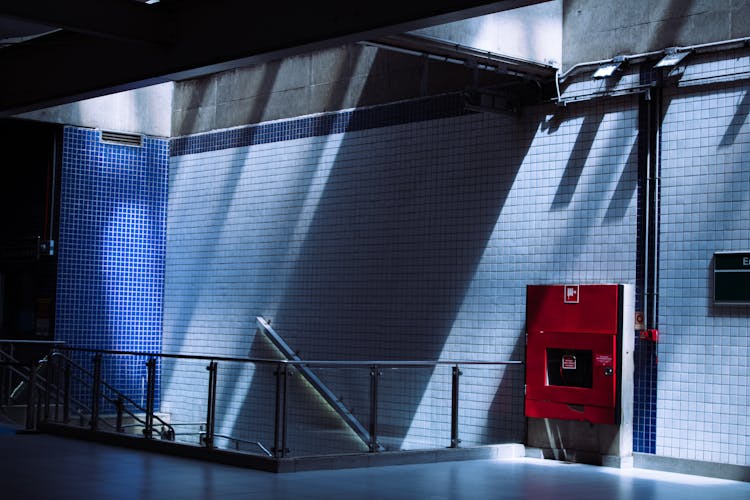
37,466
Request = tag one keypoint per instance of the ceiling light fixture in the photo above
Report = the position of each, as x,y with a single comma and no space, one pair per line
608,69
672,57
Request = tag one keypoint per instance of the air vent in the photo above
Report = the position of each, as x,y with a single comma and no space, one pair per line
134,140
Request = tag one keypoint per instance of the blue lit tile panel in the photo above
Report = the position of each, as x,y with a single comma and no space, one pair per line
111,250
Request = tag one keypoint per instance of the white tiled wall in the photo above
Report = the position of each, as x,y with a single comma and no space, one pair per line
413,241
704,359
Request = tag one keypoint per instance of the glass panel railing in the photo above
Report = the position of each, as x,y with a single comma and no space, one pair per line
490,404
333,420
278,408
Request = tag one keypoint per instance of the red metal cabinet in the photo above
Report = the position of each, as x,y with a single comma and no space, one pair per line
572,345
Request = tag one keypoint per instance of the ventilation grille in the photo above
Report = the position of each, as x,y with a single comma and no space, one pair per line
133,140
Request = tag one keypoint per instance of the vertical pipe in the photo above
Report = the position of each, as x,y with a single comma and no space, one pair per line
455,441
50,234
150,391
646,293
656,115
95,391
211,405
651,108
374,375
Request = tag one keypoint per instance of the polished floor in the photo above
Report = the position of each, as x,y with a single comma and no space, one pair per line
37,466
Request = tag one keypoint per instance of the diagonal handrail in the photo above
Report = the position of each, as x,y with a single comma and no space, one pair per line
40,382
338,406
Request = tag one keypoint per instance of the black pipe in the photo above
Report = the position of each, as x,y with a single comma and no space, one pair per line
455,441
150,394
211,405
374,376
279,424
95,391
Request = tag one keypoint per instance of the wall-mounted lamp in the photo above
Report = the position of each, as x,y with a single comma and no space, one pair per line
672,57
608,69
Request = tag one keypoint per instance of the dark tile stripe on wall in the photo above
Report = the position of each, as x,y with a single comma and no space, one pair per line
431,108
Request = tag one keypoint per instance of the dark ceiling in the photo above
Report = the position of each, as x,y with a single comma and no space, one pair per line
55,52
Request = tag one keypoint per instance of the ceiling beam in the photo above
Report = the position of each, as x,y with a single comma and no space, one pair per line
123,20
211,36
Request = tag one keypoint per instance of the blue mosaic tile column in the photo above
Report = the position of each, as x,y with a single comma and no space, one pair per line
644,407
111,252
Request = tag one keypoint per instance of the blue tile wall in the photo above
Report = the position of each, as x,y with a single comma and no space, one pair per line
644,399
111,251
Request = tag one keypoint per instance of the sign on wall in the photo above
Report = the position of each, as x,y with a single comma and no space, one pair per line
732,277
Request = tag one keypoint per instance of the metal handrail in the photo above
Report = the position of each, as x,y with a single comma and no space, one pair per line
375,367
12,363
155,423
383,363
21,341
119,394
40,382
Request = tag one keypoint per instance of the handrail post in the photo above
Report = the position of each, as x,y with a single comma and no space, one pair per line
375,373
211,406
279,431
455,441
119,406
4,383
55,367
30,398
96,391
49,379
57,386
67,375
39,398
150,394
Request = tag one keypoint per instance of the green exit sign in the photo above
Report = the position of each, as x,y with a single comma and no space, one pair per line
732,277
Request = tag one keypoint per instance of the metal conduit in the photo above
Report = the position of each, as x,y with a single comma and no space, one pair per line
740,42
443,50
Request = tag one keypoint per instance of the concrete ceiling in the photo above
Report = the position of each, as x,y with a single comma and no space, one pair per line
54,52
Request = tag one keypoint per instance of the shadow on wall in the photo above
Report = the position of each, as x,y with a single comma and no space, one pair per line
402,223
739,118
674,22
577,160
204,249
403,220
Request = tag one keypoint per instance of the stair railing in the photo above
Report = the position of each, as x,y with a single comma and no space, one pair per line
123,404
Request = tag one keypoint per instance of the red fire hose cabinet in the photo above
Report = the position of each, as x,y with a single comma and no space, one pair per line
579,365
